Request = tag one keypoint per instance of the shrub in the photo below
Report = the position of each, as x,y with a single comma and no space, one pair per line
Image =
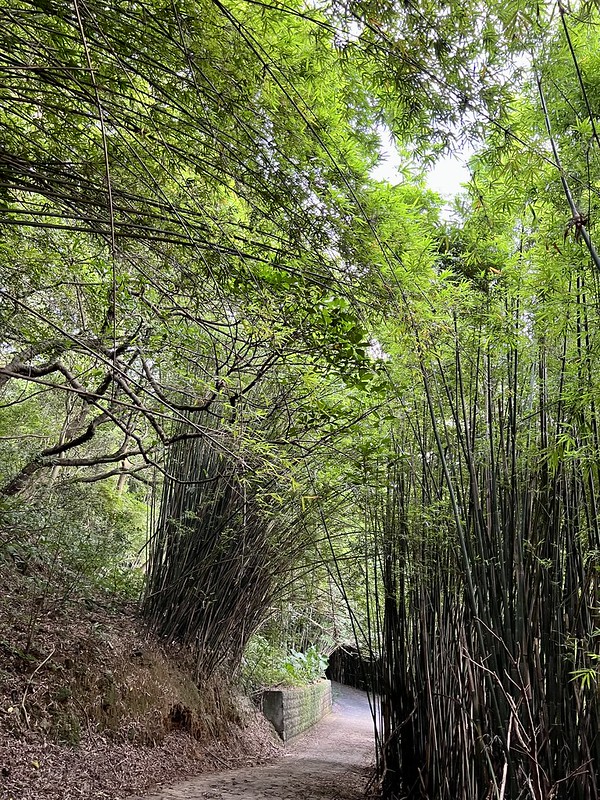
266,664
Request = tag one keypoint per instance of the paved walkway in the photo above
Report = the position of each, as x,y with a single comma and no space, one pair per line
329,762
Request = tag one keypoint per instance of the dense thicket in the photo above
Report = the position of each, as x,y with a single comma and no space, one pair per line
485,514
177,248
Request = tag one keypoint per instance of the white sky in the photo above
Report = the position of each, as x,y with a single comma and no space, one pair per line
448,174
445,177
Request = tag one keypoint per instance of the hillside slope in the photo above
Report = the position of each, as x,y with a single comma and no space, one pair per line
92,706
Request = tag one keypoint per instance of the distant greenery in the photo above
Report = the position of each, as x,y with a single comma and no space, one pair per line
84,539
265,664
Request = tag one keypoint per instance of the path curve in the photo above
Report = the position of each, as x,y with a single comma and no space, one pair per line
331,761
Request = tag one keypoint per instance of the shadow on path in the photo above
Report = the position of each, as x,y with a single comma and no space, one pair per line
331,761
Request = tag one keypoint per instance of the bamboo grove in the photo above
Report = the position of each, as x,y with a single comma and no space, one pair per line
485,512
487,542
215,311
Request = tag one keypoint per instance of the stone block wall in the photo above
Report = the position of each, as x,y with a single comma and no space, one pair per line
294,710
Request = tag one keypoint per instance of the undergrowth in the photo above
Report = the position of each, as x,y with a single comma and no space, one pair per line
266,664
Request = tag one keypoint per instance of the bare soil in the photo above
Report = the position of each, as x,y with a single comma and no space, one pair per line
332,761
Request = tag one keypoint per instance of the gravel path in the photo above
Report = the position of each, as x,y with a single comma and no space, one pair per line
329,762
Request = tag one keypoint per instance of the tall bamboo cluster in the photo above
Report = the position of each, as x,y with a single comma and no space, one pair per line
223,543
488,545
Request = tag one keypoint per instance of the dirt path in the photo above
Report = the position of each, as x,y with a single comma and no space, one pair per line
329,762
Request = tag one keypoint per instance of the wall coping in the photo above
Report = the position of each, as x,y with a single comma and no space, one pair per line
294,709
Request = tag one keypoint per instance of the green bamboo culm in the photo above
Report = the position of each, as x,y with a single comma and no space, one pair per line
223,545
489,634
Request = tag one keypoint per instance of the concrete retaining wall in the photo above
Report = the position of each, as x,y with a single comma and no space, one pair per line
292,711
